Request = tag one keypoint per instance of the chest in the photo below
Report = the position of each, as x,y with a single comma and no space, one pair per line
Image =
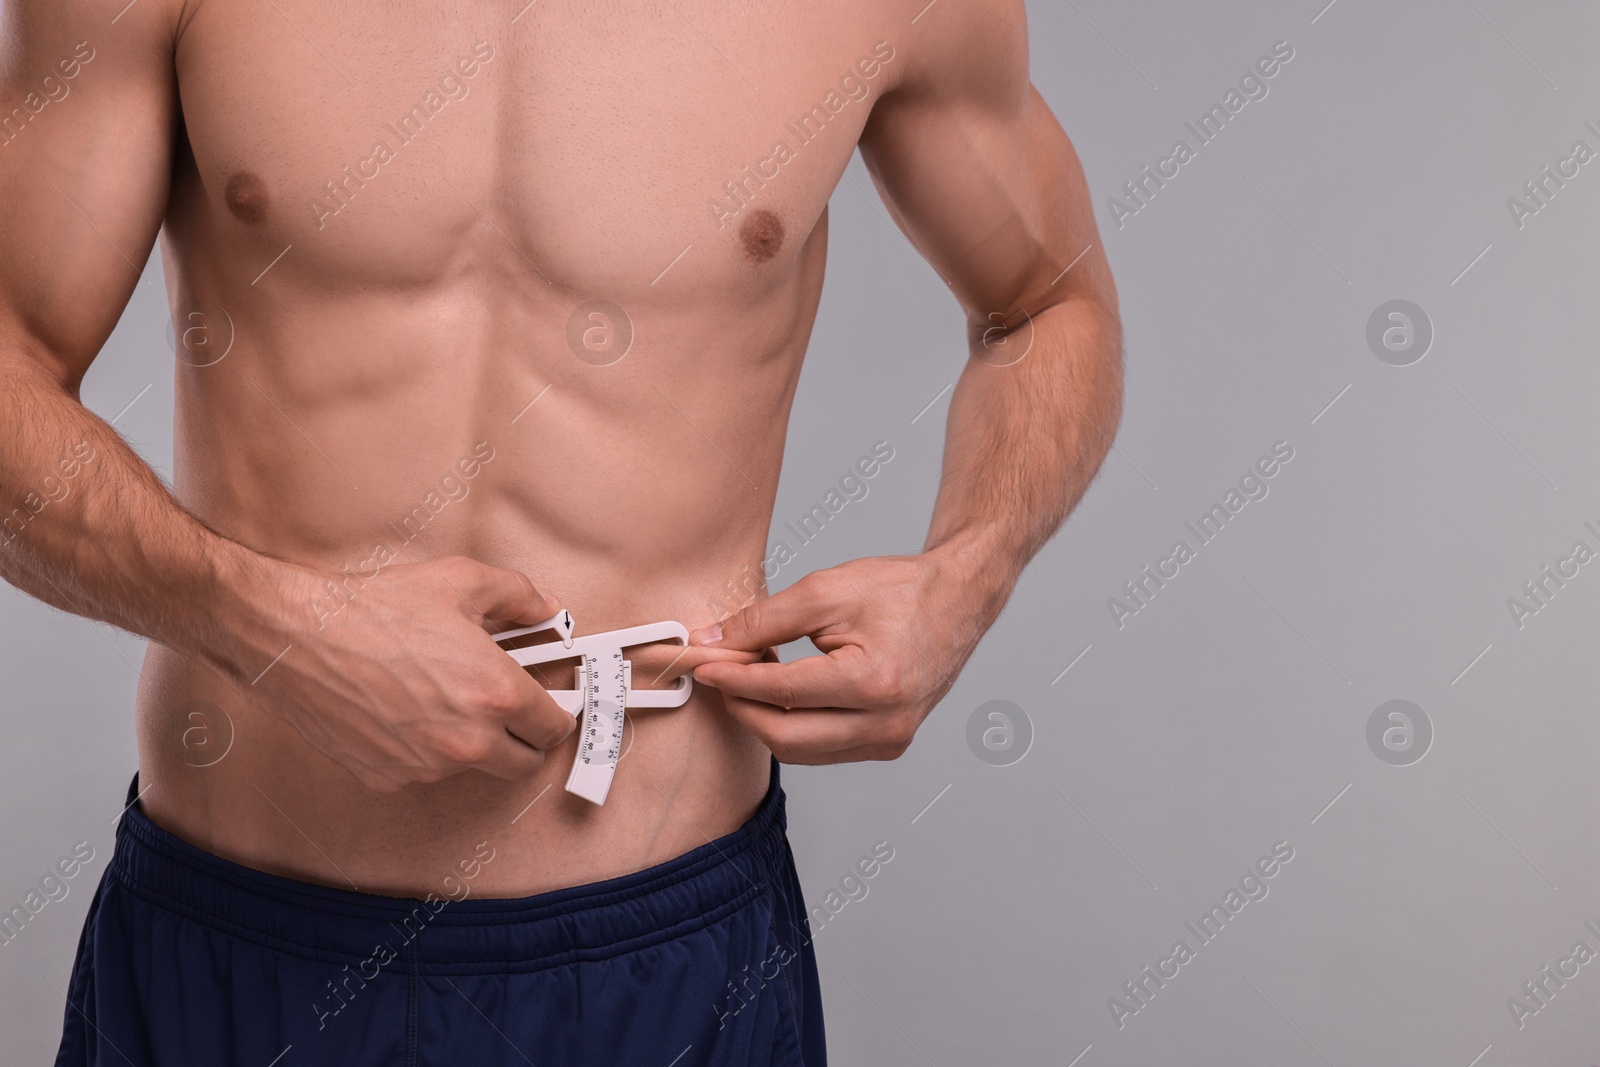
601,143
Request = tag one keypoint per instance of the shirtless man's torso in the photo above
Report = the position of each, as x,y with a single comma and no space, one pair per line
475,291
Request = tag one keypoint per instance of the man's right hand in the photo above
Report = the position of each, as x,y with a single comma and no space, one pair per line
405,683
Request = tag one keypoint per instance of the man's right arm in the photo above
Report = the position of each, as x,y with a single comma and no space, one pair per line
87,526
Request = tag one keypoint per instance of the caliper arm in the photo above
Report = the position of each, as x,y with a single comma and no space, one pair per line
603,690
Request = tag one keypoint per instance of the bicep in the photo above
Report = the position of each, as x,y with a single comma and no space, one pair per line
980,176
85,166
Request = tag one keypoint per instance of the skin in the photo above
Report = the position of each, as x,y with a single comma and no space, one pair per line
418,345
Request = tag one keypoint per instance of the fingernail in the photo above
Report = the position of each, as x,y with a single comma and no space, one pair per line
706,635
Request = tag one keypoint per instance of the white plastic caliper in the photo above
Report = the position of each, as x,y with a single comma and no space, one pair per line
603,690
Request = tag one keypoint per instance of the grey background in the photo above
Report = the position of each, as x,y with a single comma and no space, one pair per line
1230,712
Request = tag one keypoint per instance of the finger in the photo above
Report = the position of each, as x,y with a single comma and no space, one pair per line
512,759
859,754
837,679
795,735
659,665
502,595
535,717
797,612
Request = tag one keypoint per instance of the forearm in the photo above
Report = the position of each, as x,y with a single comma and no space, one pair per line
1023,443
87,526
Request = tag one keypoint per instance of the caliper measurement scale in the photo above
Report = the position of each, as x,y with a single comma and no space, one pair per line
603,691
605,700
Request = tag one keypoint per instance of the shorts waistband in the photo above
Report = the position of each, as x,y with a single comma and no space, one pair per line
474,935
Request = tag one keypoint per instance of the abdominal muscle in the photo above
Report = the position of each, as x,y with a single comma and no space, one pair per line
633,493
273,803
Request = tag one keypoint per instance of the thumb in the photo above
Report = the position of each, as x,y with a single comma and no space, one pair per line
507,596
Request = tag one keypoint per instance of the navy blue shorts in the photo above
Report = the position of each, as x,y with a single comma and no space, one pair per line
188,960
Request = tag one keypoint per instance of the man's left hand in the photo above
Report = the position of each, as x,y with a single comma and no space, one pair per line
894,630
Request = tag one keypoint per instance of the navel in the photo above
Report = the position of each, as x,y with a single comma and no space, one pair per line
247,197
762,235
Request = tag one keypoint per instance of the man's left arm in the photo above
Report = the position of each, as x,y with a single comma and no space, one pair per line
981,178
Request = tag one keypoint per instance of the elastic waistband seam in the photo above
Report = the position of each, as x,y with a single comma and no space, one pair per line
177,907
744,898
751,839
